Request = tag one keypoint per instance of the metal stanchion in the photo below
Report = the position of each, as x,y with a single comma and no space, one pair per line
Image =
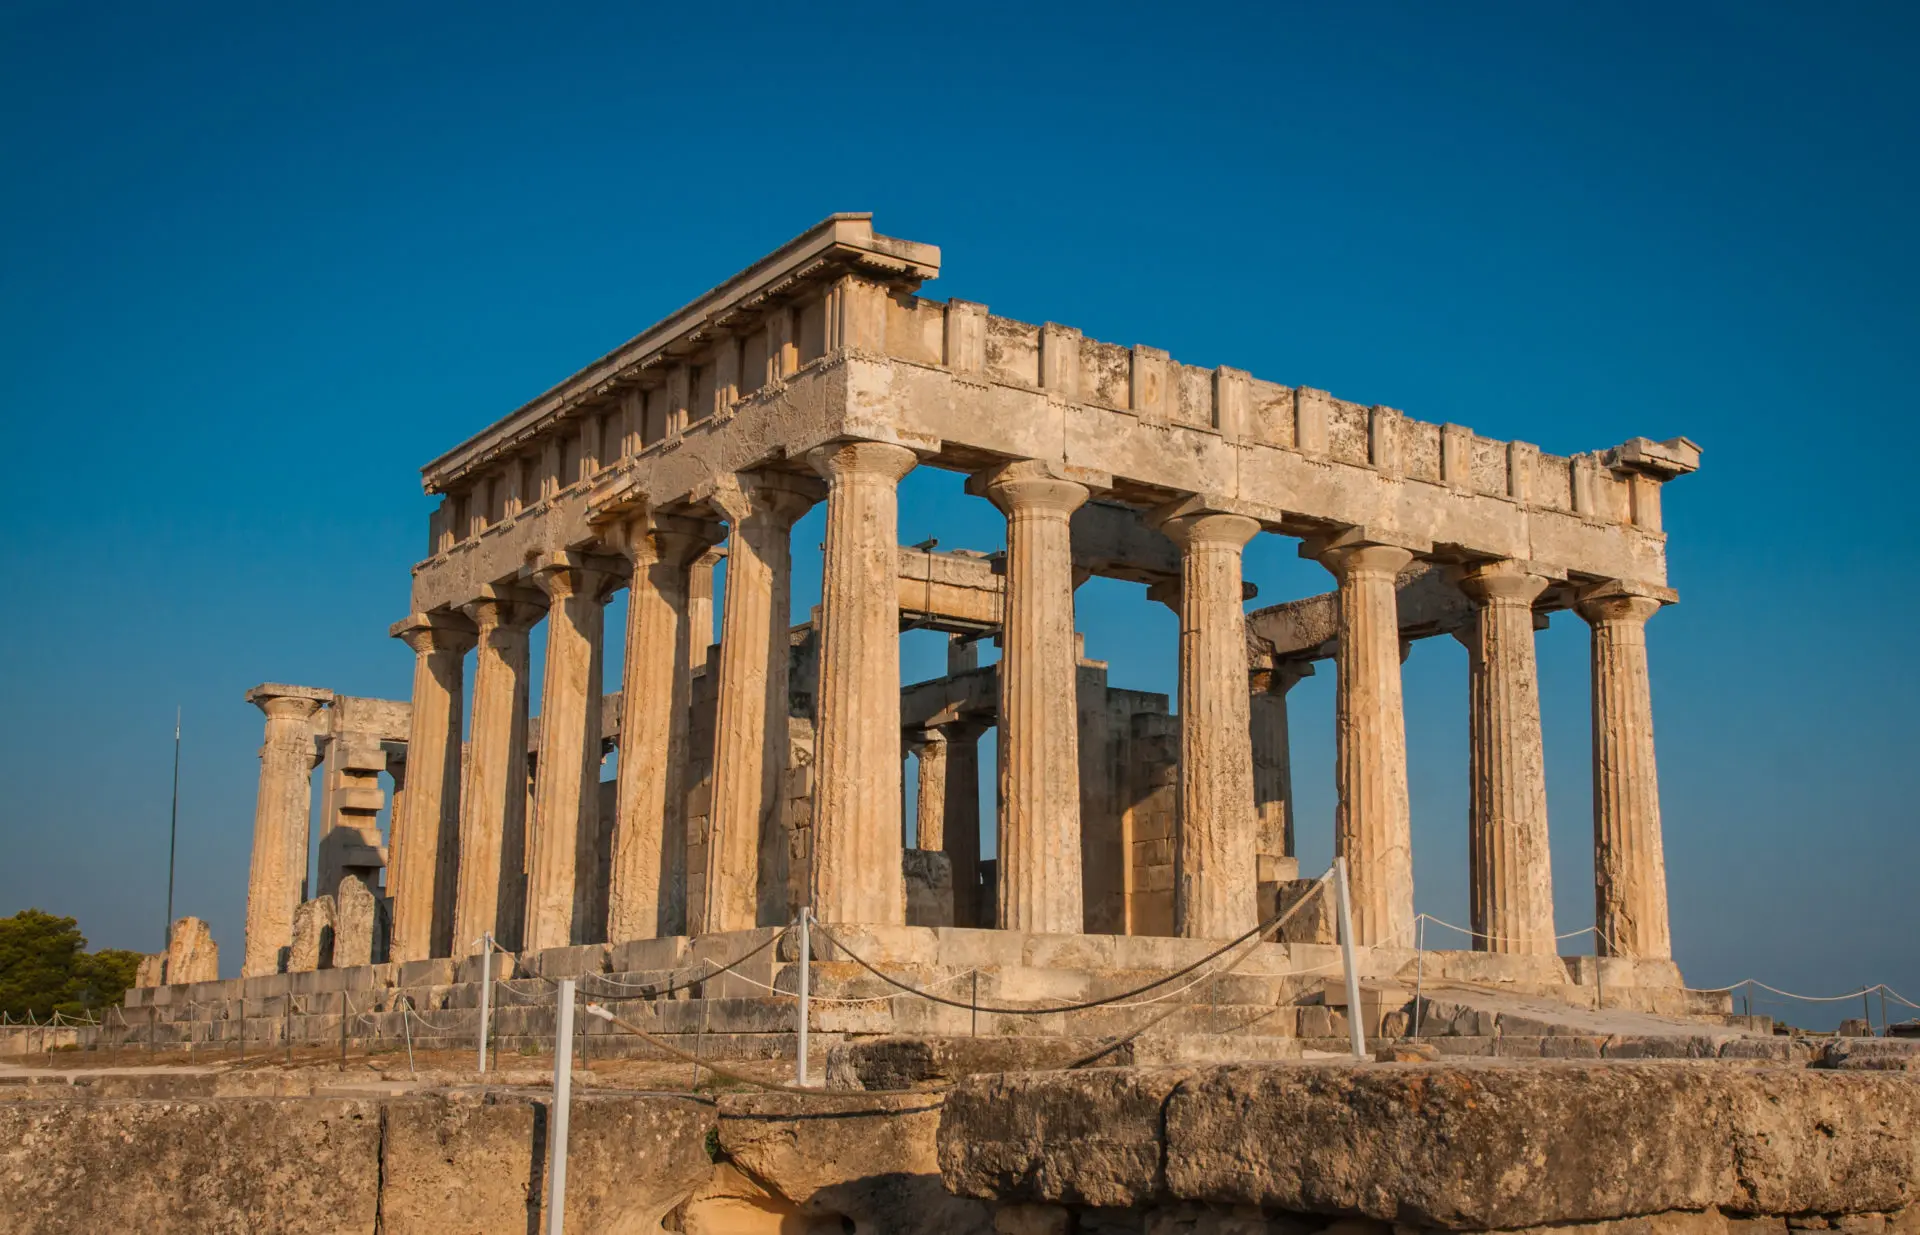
346,1009
406,1028
1354,1029
557,1118
486,992
1419,970
806,973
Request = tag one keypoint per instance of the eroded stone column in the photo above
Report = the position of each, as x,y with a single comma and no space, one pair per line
493,799
960,828
1215,895
1373,822
1629,866
648,894
747,849
857,852
1039,846
700,607
280,824
567,815
427,840
930,800
1511,887
1273,769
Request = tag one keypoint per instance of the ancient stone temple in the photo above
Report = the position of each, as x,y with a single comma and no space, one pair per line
766,774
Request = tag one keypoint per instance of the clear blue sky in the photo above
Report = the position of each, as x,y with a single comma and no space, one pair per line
258,264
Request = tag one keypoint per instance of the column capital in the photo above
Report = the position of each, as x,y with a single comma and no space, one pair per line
1360,551
500,607
780,496
1029,487
438,631
883,460
681,540
1504,582
277,699
1192,523
932,735
1618,600
1280,677
570,573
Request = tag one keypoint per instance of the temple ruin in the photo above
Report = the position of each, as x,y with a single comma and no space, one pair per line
766,773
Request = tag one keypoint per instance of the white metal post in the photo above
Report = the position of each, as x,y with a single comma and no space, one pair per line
486,993
557,1117
1354,1030
806,961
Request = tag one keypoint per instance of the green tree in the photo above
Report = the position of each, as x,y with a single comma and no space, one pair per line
45,968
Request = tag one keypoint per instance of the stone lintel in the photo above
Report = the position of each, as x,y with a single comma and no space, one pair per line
839,243
1662,460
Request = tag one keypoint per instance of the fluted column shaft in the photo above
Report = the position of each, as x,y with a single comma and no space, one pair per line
747,849
1630,869
857,853
1039,846
930,804
960,826
647,896
1511,885
1372,823
280,824
1215,894
1273,757
560,896
700,607
426,842
493,797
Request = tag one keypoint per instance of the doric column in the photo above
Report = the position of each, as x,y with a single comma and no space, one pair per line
700,606
567,814
746,848
856,829
1629,867
493,798
930,801
1215,895
1039,845
960,829
426,841
1372,824
1273,763
1511,887
648,894
280,825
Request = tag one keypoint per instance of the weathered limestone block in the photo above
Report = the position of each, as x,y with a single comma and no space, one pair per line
929,877
200,1165
865,1160
476,1163
192,955
1458,1148
152,971
1316,921
313,936
355,916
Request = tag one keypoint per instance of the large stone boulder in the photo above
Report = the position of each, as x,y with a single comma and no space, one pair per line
192,955
1448,1146
312,936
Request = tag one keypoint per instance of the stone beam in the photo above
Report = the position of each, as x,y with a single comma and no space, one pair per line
1429,604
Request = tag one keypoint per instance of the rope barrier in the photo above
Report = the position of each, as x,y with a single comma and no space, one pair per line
671,988
1279,921
606,1014
1273,923
1751,982
1585,930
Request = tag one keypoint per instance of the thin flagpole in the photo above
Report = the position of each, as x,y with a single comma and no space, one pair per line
173,827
